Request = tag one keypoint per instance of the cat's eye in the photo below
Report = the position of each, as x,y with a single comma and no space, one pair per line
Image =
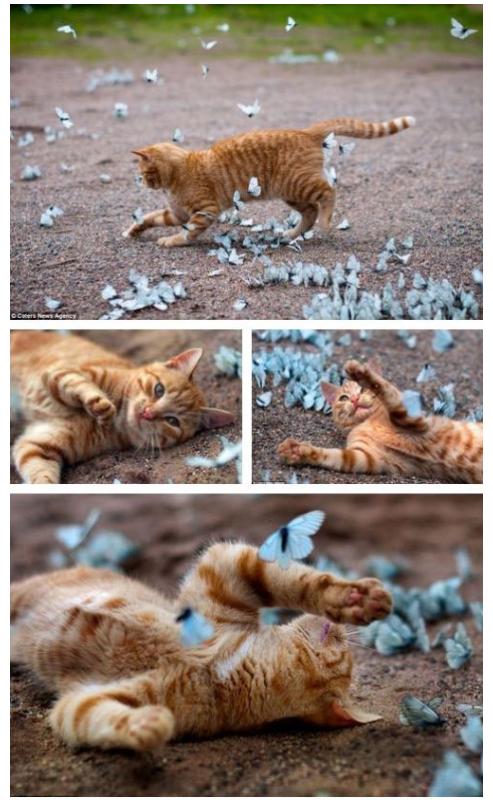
172,420
159,390
343,397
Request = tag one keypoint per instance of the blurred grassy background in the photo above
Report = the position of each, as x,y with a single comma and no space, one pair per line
107,32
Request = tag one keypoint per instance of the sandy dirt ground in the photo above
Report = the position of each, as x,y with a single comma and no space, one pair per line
426,181
381,759
462,366
168,466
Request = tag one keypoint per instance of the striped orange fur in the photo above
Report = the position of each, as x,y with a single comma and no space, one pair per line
110,648
81,400
384,439
287,163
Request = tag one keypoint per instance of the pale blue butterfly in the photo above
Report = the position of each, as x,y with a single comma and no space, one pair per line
293,541
194,628
414,711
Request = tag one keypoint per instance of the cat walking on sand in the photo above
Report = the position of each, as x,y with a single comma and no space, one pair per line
81,400
384,439
110,648
287,164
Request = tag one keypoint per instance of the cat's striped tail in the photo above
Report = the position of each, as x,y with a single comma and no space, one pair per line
349,127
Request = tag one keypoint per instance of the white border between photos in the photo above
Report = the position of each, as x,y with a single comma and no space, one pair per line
246,487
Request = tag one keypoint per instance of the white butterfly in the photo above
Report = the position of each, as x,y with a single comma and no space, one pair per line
224,27
67,29
291,23
329,145
138,215
26,140
120,110
64,117
240,304
344,224
250,111
331,176
52,303
345,150
150,76
208,45
178,136
254,187
194,628
293,541
205,70
459,31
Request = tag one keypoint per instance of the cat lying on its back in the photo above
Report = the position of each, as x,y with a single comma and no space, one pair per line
288,164
82,400
384,439
111,649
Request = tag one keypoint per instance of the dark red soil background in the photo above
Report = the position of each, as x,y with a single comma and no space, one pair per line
426,181
169,465
381,759
462,365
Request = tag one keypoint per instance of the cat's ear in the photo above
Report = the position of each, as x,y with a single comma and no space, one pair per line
330,391
375,365
186,362
341,714
143,153
213,418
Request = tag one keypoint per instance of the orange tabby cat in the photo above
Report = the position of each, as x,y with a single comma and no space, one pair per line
289,164
384,439
111,648
81,400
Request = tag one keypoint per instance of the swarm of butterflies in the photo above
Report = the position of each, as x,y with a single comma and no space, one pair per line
301,372
84,544
141,294
228,361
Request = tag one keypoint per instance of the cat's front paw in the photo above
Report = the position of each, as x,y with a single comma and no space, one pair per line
293,451
100,408
356,370
364,601
133,231
149,727
172,242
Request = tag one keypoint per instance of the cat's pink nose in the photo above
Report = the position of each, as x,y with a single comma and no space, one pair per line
147,413
355,400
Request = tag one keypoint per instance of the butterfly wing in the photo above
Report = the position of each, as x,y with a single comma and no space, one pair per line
271,548
298,546
195,630
307,524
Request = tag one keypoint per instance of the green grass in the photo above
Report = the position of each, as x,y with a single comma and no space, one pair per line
106,32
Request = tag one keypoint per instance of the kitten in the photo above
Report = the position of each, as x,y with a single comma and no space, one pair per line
110,648
289,164
81,400
384,439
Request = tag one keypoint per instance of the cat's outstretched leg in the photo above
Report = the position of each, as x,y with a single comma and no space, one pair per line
74,389
160,217
366,376
231,583
354,460
319,199
117,715
196,225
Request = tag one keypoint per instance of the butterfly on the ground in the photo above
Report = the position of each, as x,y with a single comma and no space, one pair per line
254,187
205,70
427,373
64,117
208,45
414,711
443,340
178,135
250,111
459,31
293,540
194,628
223,27
150,76
472,734
291,23
459,648
345,150
67,29
455,778
120,110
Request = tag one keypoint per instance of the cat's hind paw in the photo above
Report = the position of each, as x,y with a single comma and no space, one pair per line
148,727
100,408
133,231
362,602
